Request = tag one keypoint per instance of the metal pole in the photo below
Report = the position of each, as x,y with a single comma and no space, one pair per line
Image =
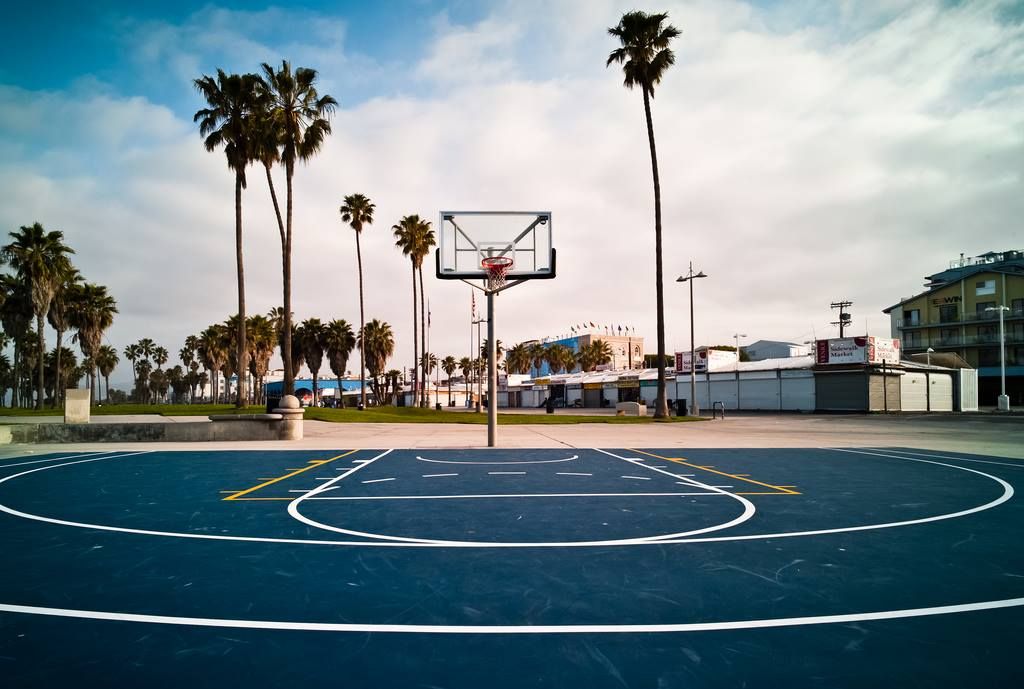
492,375
694,411
1002,355
479,378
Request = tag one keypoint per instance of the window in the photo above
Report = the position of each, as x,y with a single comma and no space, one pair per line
980,307
989,356
912,340
987,334
984,287
949,336
947,313
912,317
1016,308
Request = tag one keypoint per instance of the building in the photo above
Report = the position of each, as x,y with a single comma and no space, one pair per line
774,349
627,349
951,316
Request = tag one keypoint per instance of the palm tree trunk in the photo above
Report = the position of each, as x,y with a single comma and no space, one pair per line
40,392
15,397
423,341
661,404
341,395
107,380
58,388
362,327
286,258
415,344
243,352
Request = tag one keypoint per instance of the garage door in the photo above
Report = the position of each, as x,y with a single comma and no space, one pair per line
942,392
798,390
913,392
760,393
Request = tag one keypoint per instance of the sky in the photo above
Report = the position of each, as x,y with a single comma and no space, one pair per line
809,152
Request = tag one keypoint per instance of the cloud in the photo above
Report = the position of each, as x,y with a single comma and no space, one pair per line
804,158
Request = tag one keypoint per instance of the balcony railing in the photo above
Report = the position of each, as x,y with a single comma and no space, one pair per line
967,318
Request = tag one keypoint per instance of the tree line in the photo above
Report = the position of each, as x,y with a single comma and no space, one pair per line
42,286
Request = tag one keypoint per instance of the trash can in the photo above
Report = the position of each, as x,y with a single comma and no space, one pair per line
272,404
681,407
549,405
437,406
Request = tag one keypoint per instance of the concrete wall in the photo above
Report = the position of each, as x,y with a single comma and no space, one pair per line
260,427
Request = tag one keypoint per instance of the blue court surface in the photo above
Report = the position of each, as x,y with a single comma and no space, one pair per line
866,567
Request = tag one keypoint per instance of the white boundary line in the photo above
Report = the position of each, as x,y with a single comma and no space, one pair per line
748,512
539,461
1007,495
1018,465
55,459
517,629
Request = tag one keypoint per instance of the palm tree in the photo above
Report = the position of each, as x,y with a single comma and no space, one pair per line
59,321
466,366
91,314
414,237
296,118
106,362
40,259
538,355
16,318
212,354
339,341
428,363
228,122
133,353
517,359
377,344
449,365
357,211
645,56
262,340
499,348
311,341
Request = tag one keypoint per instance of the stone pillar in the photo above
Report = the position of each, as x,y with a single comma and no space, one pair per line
76,406
291,418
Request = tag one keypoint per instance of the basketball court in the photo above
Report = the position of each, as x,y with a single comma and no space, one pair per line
610,567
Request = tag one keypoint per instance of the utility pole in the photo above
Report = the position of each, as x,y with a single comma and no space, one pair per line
844,315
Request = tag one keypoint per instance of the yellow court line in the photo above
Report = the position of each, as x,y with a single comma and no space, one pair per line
296,472
679,460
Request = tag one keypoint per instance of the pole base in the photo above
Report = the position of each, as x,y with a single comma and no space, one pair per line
1004,403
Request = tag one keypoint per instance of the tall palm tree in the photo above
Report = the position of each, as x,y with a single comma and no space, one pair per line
378,344
466,366
645,55
339,341
106,362
296,117
449,366
428,364
41,260
414,237
59,321
160,357
228,122
91,314
357,211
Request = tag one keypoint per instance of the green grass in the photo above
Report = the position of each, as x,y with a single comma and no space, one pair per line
371,415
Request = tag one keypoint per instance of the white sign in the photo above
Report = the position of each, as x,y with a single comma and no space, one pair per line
857,350
715,358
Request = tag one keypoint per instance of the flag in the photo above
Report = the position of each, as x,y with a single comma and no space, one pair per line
428,313
592,324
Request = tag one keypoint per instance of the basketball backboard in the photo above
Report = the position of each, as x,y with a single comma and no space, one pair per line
467,238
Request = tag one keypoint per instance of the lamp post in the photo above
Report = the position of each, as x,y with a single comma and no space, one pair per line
738,336
1004,401
690,277
928,356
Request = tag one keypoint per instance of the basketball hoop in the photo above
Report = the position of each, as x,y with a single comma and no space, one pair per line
497,268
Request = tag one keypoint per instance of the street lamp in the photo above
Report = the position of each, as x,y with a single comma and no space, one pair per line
690,277
1004,401
928,356
738,336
